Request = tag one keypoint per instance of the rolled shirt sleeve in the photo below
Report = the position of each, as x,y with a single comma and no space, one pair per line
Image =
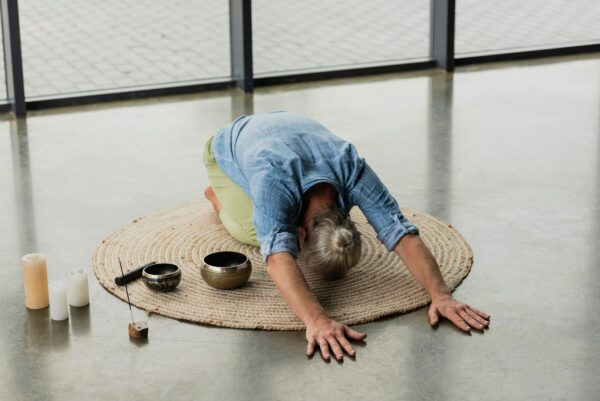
278,241
379,207
275,212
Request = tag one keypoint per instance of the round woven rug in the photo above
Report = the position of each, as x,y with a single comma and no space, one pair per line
379,285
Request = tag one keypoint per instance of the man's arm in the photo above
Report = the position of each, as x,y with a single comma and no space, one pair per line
380,208
422,265
320,329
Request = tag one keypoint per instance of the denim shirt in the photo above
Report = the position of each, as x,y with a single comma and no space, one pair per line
276,157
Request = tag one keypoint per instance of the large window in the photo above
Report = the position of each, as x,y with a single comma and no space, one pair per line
300,35
75,52
488,27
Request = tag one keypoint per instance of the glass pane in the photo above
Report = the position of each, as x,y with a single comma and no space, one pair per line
512,25
297,35
72,46
3,95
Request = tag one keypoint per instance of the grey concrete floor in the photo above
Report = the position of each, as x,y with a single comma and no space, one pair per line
508,153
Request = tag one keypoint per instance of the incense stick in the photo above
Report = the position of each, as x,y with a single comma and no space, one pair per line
126,292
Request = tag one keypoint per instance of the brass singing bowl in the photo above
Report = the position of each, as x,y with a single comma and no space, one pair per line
161,277
226,270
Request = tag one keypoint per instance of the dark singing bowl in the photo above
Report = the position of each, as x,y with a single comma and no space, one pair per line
161,277
226,270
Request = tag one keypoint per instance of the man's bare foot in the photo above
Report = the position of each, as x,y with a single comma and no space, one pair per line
209,193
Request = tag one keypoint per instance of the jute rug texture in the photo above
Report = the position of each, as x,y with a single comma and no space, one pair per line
379,285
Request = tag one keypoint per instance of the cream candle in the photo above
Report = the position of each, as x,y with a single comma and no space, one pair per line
78,288
59,308
35,280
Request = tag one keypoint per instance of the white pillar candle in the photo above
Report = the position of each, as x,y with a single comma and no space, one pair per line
35,280
59,308
78,288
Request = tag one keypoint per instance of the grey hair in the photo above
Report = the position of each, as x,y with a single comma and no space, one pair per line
333,245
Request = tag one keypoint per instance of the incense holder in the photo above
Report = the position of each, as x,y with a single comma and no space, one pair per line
162,277
226,270
138,330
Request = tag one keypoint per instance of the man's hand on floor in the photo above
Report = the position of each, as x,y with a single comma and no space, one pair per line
462,315
328,335
321,331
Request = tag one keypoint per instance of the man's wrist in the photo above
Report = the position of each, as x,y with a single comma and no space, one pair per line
315,316
440,294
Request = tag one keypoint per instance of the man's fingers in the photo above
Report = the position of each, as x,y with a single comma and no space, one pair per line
324,348
310,349
480,313
355,335
345,344
335,347
434,319
470,320
458,321
475,316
